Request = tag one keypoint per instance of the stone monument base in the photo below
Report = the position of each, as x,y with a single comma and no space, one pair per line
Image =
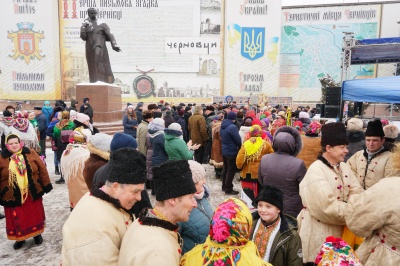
105,100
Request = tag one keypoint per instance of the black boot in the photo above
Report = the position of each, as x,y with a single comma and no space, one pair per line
18,244
57,170
61,180
38,239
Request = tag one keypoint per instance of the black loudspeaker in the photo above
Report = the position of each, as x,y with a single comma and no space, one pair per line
332,111
320,109
333,95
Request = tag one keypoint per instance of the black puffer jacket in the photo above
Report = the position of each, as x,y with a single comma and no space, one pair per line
283,170
356,143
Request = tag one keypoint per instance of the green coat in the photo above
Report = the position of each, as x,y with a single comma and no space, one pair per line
286,248
176,147
57,131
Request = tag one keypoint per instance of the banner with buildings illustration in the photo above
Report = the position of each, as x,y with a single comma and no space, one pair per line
29,50
164,55
311,46
252,40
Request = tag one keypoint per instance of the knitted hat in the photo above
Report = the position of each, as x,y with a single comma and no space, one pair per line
255,131
175,126
271,195
374,129
173,179
122,140
140,104
231,116
157,114
334,134
128,166
157,124
169,112
281,113
198,172
355,124
304,115
391,131
101,141
181,112
37,108
314,129
72,115
82,117
131,107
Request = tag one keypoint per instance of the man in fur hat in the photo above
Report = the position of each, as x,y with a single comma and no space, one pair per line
372,163
153,238
374,214
93,232
324,191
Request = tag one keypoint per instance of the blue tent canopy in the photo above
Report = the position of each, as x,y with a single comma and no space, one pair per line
378,90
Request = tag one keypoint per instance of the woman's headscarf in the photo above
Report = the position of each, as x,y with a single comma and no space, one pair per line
64,120
21,123
228,240
17,171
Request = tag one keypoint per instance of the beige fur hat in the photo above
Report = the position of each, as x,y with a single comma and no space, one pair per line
355,124
391,131
198,172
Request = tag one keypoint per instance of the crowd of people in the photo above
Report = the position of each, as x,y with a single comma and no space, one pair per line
311,192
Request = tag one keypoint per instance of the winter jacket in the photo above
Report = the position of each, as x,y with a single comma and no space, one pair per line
130,126
216,150
38,178
155,242
181,122
324,192
356,142
139,115
47,111
97,240
369,173
159,154
230,138
195,230
42,125
198,129
374,214
311,149
149,156
175,147
249,166
283,170
141,137
286,247
89,112
97,159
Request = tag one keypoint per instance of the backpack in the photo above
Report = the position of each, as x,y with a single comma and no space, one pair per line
65,135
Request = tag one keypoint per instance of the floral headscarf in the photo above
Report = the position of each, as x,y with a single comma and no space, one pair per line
64,120
255,131
227,243
298,125
280,122
314,129
336,252
21,123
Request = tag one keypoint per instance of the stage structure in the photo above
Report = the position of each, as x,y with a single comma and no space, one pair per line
367,51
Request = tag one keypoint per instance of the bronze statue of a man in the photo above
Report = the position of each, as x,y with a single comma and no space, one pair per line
96,34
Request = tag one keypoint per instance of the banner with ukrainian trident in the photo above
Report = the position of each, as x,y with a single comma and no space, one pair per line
30,61
252,47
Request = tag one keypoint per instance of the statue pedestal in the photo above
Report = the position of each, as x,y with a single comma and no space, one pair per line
105,100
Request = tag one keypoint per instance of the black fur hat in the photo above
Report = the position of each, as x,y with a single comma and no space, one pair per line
375,129
128,166
271,195
333,134
173,179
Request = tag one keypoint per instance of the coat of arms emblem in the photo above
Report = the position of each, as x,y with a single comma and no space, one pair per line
252,43
26,42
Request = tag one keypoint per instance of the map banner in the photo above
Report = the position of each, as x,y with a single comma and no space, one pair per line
311,46
252,41
30,62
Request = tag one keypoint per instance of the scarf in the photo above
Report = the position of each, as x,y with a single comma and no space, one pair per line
18,174
63,123
253,148
263,235
8,121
